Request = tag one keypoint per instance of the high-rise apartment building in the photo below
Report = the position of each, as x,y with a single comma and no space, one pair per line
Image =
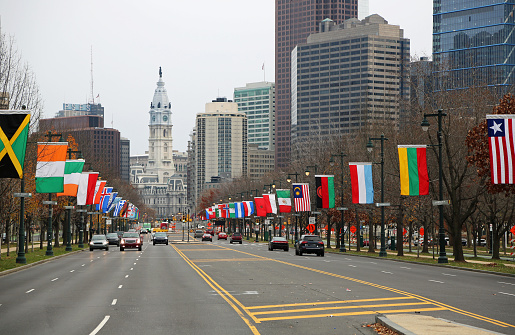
348,77
125,153
295,20
257,101
474,43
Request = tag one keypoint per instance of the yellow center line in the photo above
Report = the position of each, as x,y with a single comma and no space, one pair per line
329,302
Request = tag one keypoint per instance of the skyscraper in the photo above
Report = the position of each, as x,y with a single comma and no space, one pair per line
294,21
473,43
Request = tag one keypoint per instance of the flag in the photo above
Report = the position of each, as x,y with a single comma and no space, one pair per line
124,208
249,208
118,207
98,192
260,206
501,138
413,170
239,210
208,213
111,199
301,197
86,189
50,167
104,199
270,205
284,200
72,171
220,211
361,180
232,210
14,129
114,203
226,210
325,191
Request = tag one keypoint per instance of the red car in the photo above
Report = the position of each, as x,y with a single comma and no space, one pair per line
222,235
131,240
236,237
210,232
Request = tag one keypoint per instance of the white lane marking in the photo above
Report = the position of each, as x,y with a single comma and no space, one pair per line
250,292
134,263
114,302
132,269
501,282
83,264
72,270
347,259
54,279
352,266
30,290
404,267
91,260
373,262
98,257
391,273
507,293
96,330
126,276
120,286
448,274
436,281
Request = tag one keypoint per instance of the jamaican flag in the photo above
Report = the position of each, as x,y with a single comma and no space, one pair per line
14,129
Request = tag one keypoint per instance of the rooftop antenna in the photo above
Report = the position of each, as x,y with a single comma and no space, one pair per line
92,96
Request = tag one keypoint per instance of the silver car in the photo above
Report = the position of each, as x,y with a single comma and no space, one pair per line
198,233
98,242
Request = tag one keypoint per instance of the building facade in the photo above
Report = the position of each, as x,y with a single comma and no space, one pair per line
90,108
294,22
474,43
125,153
348,77
260,161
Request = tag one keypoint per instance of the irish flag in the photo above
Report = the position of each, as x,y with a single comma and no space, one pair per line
50,167
284,200
72,171
413,170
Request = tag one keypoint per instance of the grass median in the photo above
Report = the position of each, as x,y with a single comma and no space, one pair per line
9,262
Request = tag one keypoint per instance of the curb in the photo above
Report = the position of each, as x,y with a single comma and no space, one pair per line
24,267
383,320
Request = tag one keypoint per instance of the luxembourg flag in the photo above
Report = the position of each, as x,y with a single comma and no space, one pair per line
361,180
249,208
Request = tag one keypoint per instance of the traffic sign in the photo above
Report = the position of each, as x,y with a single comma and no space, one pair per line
316,213
49,202
22,195
422,231
311,228
441,202
353,229
382,204
404,231
341,208
69,207
512,230
312,220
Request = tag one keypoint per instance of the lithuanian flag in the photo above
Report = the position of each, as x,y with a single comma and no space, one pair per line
50,167
413,170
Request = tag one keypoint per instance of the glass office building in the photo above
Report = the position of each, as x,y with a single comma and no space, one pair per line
474,43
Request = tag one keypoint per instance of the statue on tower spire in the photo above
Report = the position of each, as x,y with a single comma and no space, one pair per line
160,73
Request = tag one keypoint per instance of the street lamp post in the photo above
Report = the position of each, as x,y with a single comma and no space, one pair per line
81,230
307,172
296,235
68,229
342,235
370,146
442,258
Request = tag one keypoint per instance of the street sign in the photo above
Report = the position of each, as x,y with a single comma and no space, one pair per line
22,195
512,230
312,220
311,228
441,202
382,204
48,202
69,207
341,208
82,210
316,213
270,218
296,214
353,229
422,231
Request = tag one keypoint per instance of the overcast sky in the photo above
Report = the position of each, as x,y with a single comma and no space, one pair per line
206,48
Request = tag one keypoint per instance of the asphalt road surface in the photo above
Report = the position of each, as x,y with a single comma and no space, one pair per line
222,288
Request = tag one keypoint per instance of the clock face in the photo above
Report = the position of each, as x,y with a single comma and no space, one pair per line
165,118
153,118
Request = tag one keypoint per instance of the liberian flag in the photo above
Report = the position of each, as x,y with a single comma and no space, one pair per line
361,180
284,200
501,139
99,188
249,208
86,190
72,171
270,205
260,206
413,170
301,197
50,167
239,210
325,191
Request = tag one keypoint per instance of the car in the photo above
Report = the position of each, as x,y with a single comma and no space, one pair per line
481,242
113,238
309,244
198,233
98,242
210,232
131,230
366,243
119,233
207,237
278,242
160,238
236,237
143,231
222,235
131,240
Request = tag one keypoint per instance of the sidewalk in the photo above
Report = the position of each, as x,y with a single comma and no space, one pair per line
468,260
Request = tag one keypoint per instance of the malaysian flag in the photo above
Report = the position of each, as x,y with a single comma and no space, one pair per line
502,148
301,197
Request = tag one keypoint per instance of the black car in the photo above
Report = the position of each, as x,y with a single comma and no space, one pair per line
160,238
207,237
309,244
143,231
278,242
113,238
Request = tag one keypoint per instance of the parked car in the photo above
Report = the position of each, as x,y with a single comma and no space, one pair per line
278,242
131,240
236,237
309,244
113,238
198,233
207,237
160,238
98,242
222,235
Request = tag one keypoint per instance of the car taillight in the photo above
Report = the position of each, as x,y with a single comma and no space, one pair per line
322,243
303,242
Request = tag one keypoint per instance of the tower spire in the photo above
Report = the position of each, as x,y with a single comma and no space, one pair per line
160,73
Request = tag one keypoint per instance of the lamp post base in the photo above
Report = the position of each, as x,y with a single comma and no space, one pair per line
342,249
382,253
443,260
21,260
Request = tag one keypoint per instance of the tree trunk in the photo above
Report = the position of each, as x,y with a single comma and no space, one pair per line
358,232
400,229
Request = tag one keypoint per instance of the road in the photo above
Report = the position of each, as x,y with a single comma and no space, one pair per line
223,288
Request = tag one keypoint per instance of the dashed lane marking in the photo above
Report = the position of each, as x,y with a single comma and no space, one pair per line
54,279
436,281
30,290
120,286
114,302
99,327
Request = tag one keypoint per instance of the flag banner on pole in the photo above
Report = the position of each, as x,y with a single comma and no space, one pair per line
301,198
361,180
104,198
227,211
111,199
118,208
284,200
72,171
501,139
239,210
86,189
50,167
14,130
260,206
249,208
219,211
271,207
98,191
114,203
123,210
413,170
325,191
232,211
